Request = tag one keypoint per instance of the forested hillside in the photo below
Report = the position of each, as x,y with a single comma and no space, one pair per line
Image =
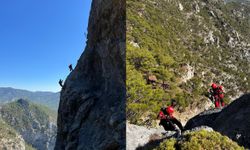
34,124
177,48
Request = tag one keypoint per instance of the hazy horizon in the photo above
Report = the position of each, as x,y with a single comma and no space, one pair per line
29,90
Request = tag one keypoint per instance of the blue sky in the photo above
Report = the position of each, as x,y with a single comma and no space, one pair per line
39,39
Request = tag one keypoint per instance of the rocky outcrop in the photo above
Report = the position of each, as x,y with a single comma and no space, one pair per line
231,121
91,113
140,137
204,118
188,72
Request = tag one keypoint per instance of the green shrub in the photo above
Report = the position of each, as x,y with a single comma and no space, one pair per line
201,140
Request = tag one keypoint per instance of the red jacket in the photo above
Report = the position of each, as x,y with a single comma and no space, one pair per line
217,93
220,93
169,111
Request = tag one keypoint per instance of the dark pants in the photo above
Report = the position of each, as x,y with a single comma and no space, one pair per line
168,124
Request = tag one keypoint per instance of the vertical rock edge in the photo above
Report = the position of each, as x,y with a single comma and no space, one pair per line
91,112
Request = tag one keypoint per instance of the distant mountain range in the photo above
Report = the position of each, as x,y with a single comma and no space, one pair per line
49,99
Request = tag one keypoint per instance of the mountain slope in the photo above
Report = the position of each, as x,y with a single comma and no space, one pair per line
210,129
36,123
184,46
9,138
46,98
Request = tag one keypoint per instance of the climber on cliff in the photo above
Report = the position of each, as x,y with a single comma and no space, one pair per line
168,121
216,94
70,68
61,83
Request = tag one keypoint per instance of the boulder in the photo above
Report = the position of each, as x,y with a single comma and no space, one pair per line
232,121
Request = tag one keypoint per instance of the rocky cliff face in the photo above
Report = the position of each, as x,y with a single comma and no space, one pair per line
91,113
231,121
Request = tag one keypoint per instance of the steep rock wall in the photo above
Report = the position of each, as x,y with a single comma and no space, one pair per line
91,113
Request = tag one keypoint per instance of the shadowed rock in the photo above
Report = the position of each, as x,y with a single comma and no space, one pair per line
205,118
92,104
23,103
232,121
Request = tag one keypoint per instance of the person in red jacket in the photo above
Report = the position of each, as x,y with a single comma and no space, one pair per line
167,119
212,92
216,94
220,95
